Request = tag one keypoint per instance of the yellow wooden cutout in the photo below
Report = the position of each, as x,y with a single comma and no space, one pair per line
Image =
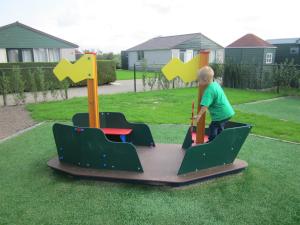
82,69
186,71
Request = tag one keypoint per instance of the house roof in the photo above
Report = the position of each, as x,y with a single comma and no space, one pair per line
250,41
284,41
166,42
18,35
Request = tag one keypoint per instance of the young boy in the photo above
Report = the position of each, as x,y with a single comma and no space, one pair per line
215,100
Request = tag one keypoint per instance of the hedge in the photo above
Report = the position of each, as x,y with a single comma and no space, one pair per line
106,72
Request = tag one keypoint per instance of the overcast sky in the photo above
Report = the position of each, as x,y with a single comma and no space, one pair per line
115,25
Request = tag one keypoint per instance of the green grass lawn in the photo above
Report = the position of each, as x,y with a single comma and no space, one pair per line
287,108
128,74
267,192
169,107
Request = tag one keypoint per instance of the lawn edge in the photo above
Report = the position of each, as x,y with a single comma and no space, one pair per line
21,132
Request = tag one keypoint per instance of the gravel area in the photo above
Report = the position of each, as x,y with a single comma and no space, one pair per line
13,119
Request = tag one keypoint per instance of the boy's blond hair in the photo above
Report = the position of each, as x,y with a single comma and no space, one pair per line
206,74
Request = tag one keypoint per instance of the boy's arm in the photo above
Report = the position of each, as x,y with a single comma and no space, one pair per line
201,112
206,101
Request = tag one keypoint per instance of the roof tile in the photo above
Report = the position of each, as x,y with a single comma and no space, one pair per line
166,42
250,41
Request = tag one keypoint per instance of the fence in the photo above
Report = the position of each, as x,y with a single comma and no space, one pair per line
152,77
251,76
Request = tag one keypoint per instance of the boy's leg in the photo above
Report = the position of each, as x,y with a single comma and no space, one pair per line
213,130
222,125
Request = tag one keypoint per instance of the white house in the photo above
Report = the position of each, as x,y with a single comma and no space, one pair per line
159,50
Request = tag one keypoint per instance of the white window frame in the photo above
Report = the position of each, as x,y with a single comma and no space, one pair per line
175,53
269,58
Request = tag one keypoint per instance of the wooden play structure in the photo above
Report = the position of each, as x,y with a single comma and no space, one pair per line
104,145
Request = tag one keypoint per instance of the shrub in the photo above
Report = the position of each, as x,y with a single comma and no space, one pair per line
4,86
17,85
43,83
218,69
33,85
106,73
64,85
284,74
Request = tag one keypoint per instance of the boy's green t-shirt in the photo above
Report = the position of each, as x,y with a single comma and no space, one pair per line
217,103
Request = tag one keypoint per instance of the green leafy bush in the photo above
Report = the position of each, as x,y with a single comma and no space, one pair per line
17,85
4,86
33,85
284,74
106,74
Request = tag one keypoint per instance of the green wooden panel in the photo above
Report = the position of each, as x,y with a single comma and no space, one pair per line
188,141
88,147
222,150
141,134
244,55
283,52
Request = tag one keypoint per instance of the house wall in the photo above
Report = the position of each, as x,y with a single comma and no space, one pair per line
3,57
160,57
255,73
67,53
154,58
190,48
245,55
216,54
283,52
132,59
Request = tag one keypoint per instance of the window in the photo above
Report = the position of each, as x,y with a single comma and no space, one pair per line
269,58
175,53
53,54
27,55
294,50
212,56
182,55
13,55
40,55
140,55
19,55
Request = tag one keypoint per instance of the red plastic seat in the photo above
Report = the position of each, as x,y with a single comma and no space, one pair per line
116,131
194,137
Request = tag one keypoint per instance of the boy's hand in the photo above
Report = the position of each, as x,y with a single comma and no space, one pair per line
197,117
202,111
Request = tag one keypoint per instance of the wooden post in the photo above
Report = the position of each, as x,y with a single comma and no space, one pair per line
92,85
204,57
